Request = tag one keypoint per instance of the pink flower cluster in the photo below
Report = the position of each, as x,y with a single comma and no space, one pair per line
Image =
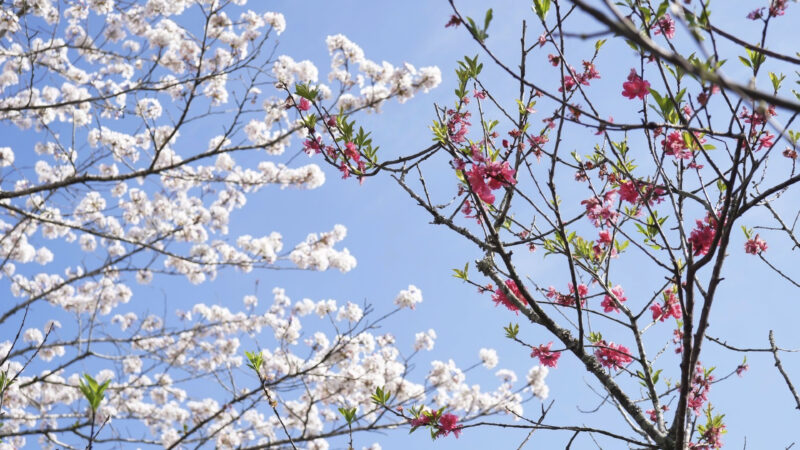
605,243
755,246
571,82
602,212
652,412
628,192
757,118
710,439
635,192
609,304
458,126
486,177
611,355
670,308
444,424
499,297
675,145
351,156
304,105
546,357
701,384
568,300
702,236
635,87
666,25
776,8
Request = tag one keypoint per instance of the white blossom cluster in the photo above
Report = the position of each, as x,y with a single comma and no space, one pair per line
376,81
143,132
337,369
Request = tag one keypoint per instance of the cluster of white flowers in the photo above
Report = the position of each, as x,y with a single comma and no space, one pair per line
536,382
408,298
317,252
376,81
114,99
489,358
425,341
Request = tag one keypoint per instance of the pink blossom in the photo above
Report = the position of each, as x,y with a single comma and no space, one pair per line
499,297
498,174
458,126
652,412
604,237
611,355
777,7
666,25
742,368
476,182
628,192
765,141
601,213
546,357
312,146
675,145
590,71
453,22
608,303
702,236
790,153
698,394
755,246
448,423
568,299
670,308
635,86
422,420
345,169
757,118
756,14
304,105
677,339
351,151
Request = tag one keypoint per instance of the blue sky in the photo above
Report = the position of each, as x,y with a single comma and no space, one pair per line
396,245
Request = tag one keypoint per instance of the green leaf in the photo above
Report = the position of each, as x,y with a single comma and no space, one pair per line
512,330
656,375
462,274
487,20
599,44
93,391
745,61
541,7
756,58
306,92
645,15
381,398
254,360
662,8
348,413
776,81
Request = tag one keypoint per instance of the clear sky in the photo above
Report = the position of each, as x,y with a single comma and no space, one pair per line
396,245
